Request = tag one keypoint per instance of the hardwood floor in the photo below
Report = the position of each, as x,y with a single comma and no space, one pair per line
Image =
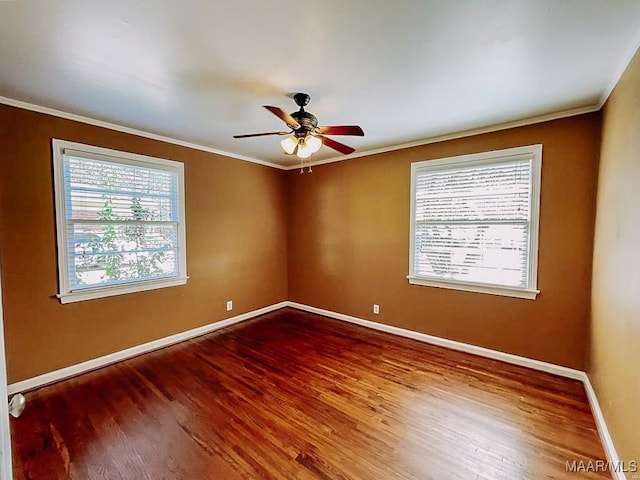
291,395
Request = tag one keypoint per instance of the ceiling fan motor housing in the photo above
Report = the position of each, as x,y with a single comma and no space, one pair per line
308,122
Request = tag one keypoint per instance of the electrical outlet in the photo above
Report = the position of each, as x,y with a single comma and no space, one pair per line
229,305
376,308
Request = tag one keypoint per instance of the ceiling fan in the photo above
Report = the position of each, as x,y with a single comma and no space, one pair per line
306,137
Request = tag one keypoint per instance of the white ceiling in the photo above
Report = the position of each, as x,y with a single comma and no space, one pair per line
199,70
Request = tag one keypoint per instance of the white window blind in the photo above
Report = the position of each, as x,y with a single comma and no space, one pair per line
475,220
120,221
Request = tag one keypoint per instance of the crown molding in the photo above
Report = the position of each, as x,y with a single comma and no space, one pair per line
441,138
634,46
465,133
133,131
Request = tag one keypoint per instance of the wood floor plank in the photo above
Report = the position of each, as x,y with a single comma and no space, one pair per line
292,395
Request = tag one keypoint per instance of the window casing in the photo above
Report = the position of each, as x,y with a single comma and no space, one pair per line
120,222
474,222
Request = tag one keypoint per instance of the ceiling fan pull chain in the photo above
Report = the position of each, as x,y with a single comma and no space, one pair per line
302,165
309,170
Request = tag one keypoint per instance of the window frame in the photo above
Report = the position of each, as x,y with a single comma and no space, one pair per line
66,293
532,152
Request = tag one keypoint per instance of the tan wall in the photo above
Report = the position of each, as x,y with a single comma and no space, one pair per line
615,330
236,248
349,244
348,237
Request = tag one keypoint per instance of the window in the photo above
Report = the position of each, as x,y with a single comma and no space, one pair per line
474,222
120,222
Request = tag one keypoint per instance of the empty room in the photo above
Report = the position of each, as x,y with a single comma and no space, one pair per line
350,240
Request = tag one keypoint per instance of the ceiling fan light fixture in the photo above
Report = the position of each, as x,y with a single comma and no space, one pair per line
304,151
313,143
289,144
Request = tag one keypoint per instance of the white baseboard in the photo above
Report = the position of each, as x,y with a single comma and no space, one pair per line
601,425
73,370
603,431
452,344
99,362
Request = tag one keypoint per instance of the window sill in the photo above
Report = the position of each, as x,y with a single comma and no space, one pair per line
109,291
476,287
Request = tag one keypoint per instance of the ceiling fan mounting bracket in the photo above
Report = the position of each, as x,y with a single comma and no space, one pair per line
302,99
307,121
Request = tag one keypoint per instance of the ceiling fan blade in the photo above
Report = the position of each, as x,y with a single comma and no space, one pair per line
259,134
285,117
340,147
341,130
